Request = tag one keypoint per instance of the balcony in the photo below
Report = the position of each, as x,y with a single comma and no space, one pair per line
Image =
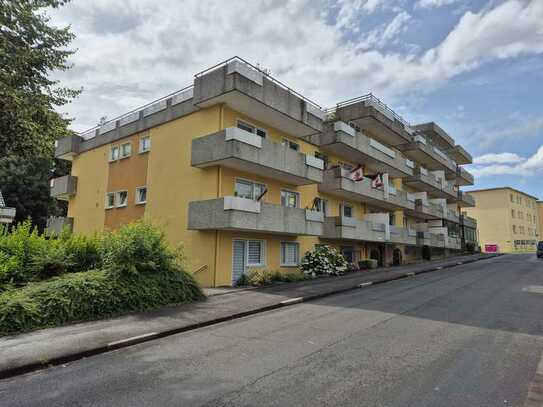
452,242
241,150
240,214
340,227
426,210
460,155
369,113
249,90
430,156
451,216
468,221
430,239
63,187
68,147
465,199
403,236
7,215
436,134
342,140
57,224
463,176
336,181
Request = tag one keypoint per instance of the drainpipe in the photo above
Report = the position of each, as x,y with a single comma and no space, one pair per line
219,192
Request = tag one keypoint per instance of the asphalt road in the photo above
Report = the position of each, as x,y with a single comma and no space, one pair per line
467,336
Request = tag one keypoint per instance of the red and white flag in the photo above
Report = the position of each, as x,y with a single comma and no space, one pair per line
357,173
377,180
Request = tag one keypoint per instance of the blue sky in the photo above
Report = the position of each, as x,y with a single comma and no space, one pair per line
474,67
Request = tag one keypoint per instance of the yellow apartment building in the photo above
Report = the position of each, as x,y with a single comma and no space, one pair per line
540,217
508,220
244,172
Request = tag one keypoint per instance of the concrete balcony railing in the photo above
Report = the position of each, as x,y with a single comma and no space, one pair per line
403,236
245,151
342,140
426,210
7,215
240,214
423,180
451,216
430,239
430,156
336,181
57,224
369,113
340,227
68,147
463,176
435,133
460,155
63,187
468,221
450,190
453,242
249,90
465,199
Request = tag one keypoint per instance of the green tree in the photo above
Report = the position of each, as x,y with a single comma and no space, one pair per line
30,50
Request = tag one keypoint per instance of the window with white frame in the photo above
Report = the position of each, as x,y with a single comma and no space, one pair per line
251,128
346,210
114,153
145,144
248,189
110,200
290,199
141,195
290,254
121,199
255,253
291,144
126,150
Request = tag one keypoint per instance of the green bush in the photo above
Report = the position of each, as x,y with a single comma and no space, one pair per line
90,295
368,264
259,277
323,260
470,247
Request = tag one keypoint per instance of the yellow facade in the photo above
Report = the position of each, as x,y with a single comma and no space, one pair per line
506,217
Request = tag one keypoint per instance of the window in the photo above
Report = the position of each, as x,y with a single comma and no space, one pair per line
290,254
126,150
255,253
512,198
249,189
251,129
290,199
320,205
145,144
323,157
292,145
121,198
141,195
514,228
110,200
520,215
512,213
114,153
346,210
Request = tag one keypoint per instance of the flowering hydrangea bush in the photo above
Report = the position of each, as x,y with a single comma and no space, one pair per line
323,260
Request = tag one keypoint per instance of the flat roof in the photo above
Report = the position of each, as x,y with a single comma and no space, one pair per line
500,188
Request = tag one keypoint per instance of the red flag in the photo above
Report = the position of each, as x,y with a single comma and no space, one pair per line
377,180
357,173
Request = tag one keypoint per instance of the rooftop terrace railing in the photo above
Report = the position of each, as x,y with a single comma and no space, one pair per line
263,72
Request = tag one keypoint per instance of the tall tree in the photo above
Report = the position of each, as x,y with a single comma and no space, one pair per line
30,50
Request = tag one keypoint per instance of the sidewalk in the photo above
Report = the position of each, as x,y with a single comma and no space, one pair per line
35,350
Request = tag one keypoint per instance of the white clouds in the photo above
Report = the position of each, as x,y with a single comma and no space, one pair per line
434,3
509,164
128,57
501,158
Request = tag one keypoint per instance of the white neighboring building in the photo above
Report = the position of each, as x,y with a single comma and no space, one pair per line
6,214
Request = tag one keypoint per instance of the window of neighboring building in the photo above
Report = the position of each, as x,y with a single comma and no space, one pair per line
145,144
251,128
512,213
121,199
110,200
512,198
114,153
346,210
292,145
126,150
290,254
248,189
141,195
290,199
255,253
514,228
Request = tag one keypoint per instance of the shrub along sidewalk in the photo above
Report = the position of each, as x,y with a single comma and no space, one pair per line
57,345
50,281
